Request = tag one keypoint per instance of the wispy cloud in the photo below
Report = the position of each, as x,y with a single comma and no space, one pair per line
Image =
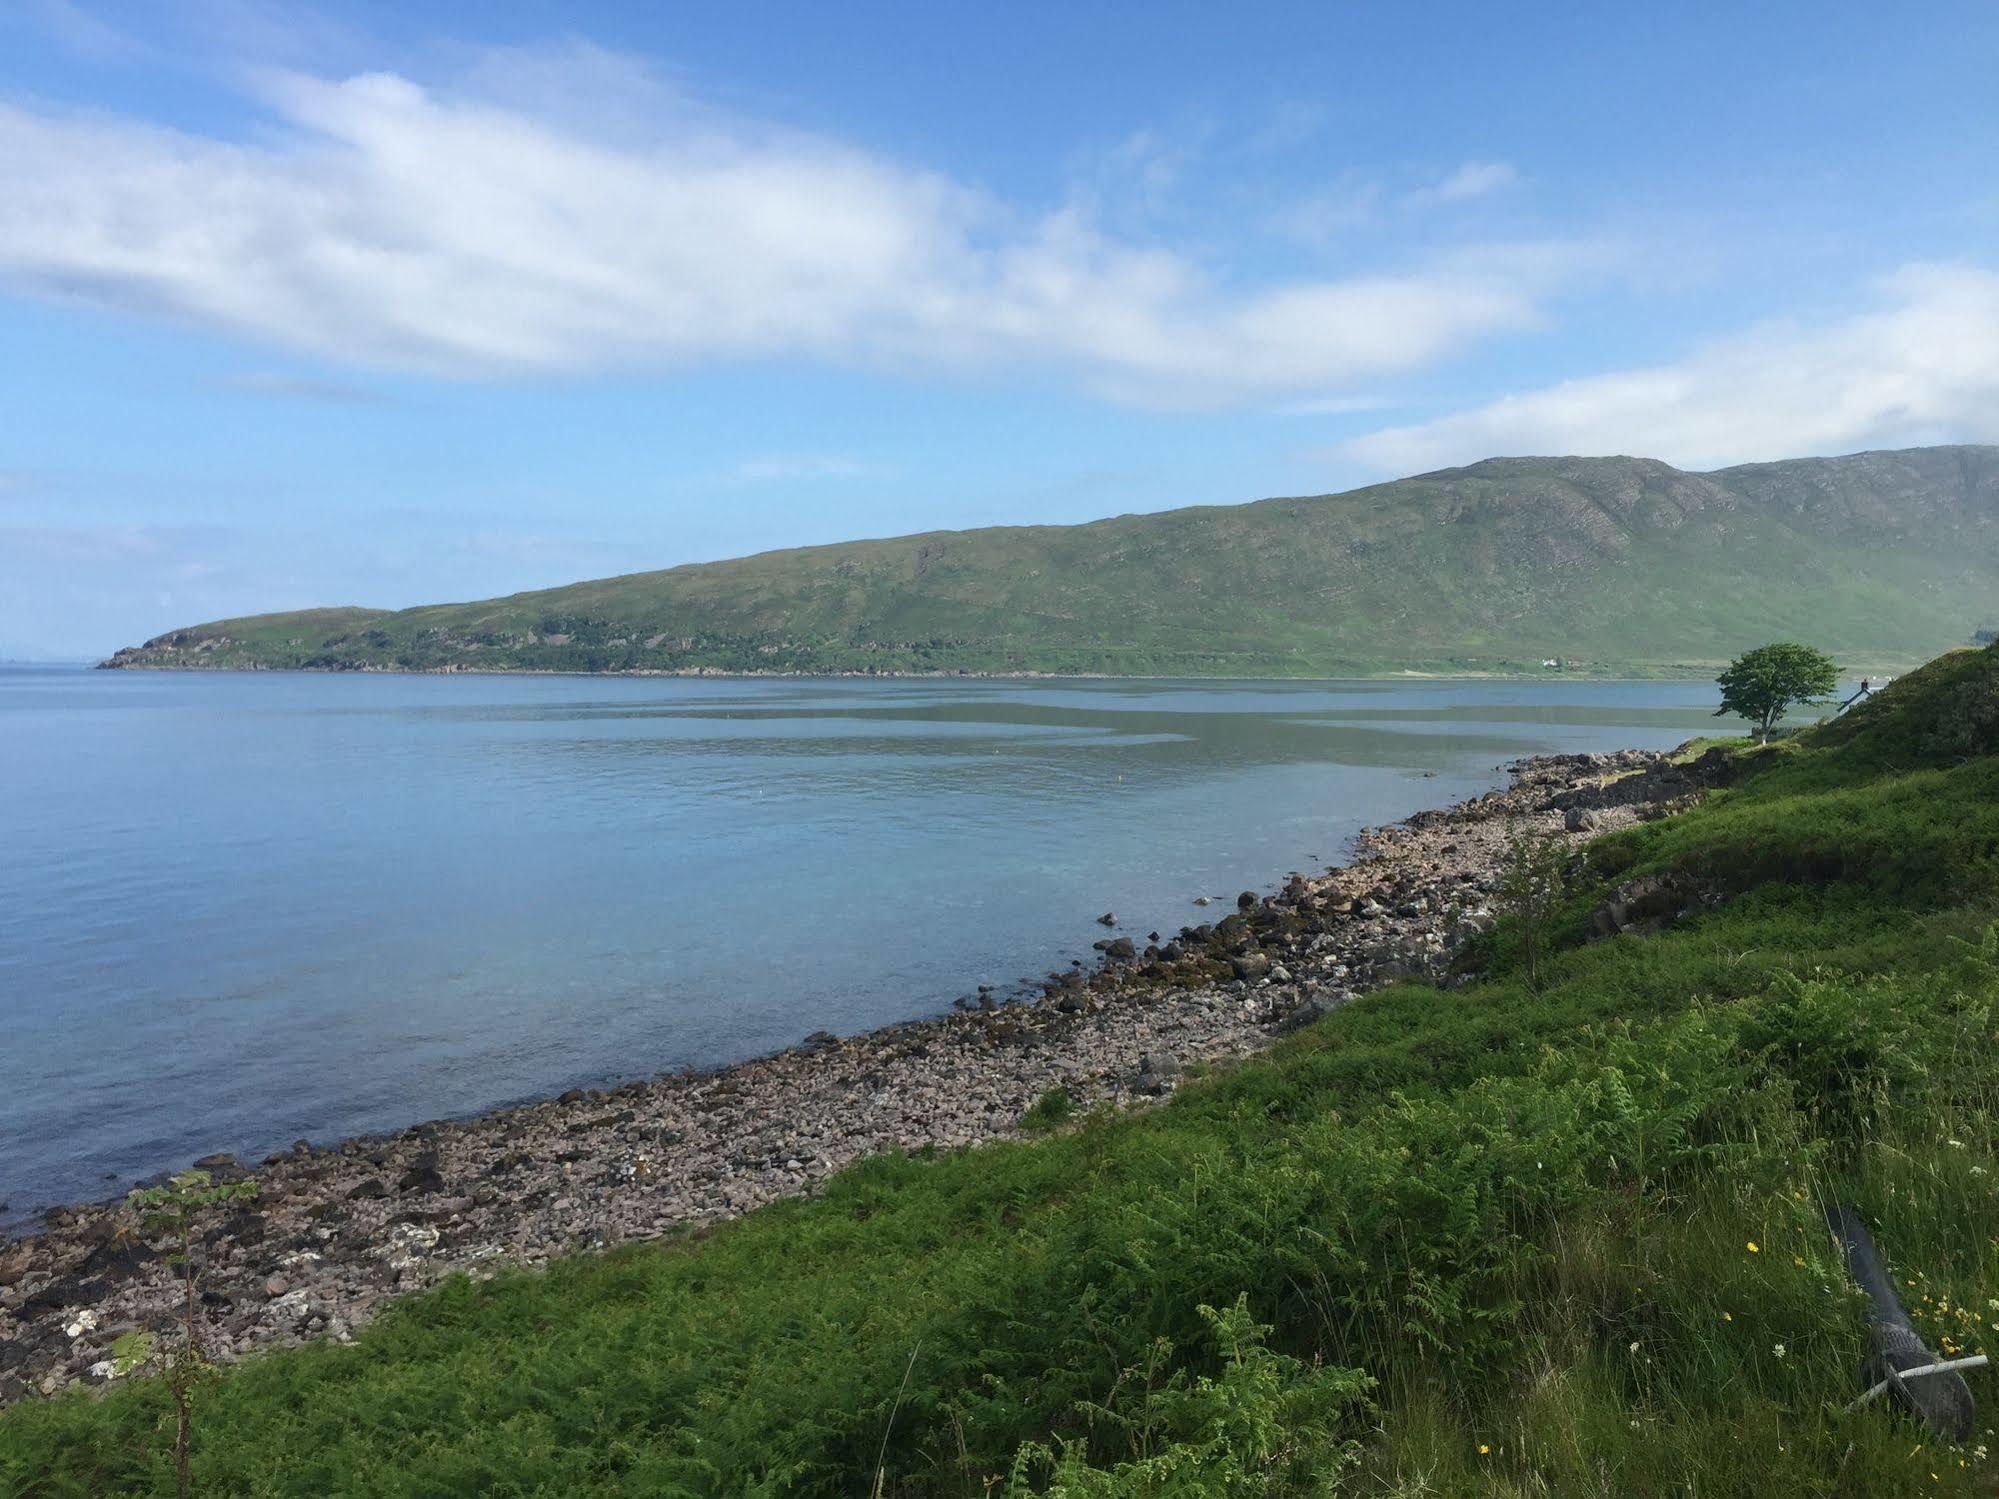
1919,365
551,555
308,388
779,468
379,222
92,544
1358,200
12,482
79,31
1337,405
1474,179
1330,213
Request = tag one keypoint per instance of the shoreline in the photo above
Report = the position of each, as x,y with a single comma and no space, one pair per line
336,1231
1625,672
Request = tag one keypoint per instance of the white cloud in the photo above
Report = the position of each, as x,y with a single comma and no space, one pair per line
779,468
1921,365
1474,179
385,224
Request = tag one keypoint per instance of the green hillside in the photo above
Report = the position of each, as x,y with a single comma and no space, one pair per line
1504,1239
1605,563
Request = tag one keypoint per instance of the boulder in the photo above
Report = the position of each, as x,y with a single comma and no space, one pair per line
1312,1009
422,1177
1251,965
1642,906
15,1261
1156,1071
1233,932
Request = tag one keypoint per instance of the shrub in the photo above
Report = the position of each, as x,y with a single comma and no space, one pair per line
1266,1424
1050,1111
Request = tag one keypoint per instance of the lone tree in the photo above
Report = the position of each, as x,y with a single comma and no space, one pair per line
1764,684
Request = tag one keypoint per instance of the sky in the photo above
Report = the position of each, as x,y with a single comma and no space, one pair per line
397,303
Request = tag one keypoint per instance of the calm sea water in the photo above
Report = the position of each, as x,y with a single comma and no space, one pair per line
240,909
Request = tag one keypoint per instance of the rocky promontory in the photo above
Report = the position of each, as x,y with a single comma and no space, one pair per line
334,1231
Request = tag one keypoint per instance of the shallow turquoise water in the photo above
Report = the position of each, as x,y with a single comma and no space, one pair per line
236,909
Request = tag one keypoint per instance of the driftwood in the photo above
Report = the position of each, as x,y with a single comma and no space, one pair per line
1926,1385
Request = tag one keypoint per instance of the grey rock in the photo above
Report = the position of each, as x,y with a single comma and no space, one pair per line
1251,965
421,1178
1312,1009
1643,906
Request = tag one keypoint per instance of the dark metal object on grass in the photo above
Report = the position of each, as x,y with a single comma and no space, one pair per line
1940,1400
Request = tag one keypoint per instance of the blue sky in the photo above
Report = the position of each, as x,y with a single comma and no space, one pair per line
394,303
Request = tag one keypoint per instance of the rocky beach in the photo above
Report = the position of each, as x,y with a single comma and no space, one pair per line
334,1232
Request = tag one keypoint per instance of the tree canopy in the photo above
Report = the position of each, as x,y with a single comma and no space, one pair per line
1764,684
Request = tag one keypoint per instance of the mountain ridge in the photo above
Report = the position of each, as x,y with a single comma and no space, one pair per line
1608,563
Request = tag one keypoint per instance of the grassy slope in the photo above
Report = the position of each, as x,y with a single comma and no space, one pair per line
1573,1235
1884,558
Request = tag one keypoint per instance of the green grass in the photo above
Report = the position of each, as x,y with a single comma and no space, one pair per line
1050,1111
1481,1240
1612,563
